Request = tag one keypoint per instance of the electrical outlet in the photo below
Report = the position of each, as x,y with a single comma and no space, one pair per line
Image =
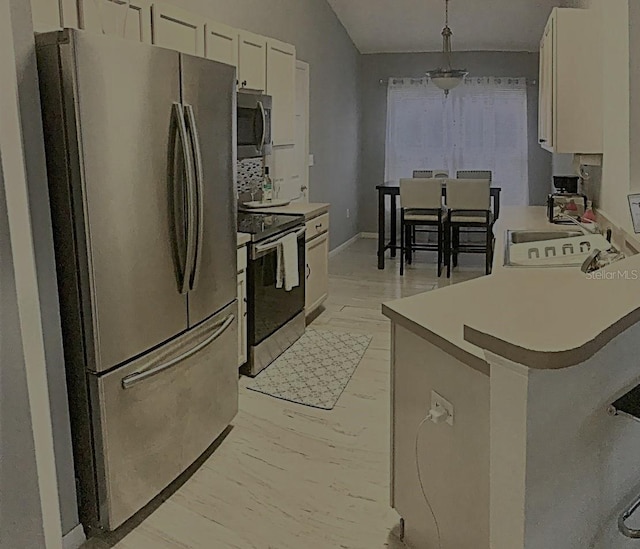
438,401
348,213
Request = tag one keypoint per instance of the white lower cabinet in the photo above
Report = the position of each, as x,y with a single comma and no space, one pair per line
242,306
317,251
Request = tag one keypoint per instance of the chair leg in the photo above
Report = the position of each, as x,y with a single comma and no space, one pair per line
440,247
402,245
488,254
409,241
456,245
447,248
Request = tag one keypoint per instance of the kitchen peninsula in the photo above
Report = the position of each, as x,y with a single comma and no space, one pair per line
530,359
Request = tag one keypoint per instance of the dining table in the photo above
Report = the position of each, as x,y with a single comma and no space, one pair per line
392,190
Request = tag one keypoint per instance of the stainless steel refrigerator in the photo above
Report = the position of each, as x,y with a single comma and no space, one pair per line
140,148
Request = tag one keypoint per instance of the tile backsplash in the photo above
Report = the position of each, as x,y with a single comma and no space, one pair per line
250,172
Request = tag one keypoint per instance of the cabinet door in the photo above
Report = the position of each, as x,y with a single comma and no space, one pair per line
131,21
317,286
286,179
281,85
178,29
252,59
301,168
546,108
221,43
45,14
242,318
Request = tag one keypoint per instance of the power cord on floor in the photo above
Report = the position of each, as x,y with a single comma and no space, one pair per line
426,499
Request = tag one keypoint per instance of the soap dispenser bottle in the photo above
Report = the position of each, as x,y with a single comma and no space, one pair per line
267,187
589,214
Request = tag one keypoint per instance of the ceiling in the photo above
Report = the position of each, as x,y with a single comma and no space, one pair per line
391,26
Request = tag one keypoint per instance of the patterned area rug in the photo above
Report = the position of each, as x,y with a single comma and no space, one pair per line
315,370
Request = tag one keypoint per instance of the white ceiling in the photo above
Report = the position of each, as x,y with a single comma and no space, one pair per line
377,26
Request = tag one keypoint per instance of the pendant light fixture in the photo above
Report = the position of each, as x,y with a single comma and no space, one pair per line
447,78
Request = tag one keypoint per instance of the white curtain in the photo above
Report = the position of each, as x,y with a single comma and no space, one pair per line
481,125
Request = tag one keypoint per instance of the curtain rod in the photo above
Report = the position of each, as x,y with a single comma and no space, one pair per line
383,82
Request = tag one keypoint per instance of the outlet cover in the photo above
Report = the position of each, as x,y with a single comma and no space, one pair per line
439,401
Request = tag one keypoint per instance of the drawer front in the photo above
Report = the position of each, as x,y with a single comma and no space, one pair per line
317,225
242,259
150,431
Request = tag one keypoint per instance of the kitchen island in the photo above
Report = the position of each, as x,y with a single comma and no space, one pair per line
529,358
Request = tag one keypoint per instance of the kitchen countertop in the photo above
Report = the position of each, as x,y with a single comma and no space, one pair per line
243,239
543,318
309,210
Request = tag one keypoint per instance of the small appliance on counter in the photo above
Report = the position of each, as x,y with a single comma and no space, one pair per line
566,201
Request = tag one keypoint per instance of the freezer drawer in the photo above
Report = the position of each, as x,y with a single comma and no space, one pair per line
155,416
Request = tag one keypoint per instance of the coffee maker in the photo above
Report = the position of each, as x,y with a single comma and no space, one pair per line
566,200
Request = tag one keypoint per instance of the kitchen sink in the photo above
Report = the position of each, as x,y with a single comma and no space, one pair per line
563,248
521,237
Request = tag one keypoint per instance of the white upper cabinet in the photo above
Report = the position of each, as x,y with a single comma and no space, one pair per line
252,59
281,85
571,92
115,17
178,29
221,43
46,15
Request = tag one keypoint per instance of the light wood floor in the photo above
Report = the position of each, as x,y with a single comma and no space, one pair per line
288,476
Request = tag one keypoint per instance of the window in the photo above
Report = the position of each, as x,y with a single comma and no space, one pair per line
482,125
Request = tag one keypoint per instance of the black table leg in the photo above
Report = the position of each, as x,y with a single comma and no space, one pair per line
394,222
381,229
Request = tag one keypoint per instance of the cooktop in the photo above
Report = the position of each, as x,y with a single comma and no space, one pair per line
264,225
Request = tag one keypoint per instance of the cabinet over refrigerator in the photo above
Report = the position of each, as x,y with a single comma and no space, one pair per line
140,154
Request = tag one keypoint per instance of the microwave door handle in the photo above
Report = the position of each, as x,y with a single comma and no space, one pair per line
264,125
198,193
187,166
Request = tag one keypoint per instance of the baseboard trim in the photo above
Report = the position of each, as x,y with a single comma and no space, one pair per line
344,246
368,235
74,539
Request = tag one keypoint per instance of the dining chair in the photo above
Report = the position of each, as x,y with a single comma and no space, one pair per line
422,174
469,205
475,174
421,206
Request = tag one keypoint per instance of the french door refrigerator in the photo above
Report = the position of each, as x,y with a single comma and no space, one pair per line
140,146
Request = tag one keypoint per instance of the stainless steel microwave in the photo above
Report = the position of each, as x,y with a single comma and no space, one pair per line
254,124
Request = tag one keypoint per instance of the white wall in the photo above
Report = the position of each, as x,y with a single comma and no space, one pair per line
29,510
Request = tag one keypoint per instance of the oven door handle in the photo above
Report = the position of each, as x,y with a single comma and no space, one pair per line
271,244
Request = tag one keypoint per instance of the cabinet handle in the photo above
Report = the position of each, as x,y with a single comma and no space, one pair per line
318,227
543,140
308,271
244,83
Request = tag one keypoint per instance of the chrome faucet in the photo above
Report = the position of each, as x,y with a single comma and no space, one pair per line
594,228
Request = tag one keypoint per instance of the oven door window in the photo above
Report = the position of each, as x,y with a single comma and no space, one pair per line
271,308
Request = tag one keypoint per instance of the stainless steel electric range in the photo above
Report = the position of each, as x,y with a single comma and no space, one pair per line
276,317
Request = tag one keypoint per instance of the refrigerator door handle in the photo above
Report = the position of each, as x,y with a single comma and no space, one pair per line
190,202
138,377
198,193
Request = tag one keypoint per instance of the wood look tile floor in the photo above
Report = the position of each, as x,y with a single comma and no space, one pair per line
288,476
